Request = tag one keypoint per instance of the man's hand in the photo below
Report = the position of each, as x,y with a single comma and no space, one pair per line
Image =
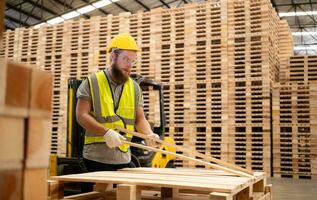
150,141
113,139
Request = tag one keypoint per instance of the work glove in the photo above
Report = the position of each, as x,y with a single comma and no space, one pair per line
113,138
150,141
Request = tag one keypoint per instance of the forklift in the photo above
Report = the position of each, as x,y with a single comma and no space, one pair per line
73,162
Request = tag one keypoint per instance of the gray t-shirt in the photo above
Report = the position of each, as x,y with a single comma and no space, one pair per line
100,152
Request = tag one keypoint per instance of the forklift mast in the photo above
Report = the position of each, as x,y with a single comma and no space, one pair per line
75,133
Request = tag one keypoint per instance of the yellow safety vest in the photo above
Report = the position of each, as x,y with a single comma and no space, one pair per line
104,109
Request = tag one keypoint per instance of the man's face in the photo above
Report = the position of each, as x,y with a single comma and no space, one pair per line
122,64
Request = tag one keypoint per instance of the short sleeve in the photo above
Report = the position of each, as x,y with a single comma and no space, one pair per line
141,103
83,91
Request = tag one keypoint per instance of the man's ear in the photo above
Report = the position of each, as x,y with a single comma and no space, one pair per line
113,56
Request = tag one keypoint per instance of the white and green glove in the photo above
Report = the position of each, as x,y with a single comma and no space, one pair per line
113,138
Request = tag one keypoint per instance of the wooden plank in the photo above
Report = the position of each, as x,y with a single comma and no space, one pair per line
128,192
85,196
11,184
12,142
14,84
41,94
55,189
38,142
188,172
34,184
186,158
220,196
195,153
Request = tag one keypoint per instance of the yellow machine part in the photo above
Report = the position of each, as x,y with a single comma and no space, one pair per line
160,160
53,165
70,121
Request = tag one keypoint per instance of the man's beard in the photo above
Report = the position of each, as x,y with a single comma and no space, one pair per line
118,74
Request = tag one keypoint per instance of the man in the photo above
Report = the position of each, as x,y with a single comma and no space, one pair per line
107,99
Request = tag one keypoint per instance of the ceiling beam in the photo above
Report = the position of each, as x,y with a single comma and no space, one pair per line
294,3
119,6
165,4
69,7
13,26
301,26
142,4
42,7
17,9
16,5
16,21
8,27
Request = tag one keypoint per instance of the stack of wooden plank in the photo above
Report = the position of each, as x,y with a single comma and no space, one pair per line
217,61
25,122
180,183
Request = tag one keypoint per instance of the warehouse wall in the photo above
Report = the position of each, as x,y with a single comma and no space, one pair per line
218,62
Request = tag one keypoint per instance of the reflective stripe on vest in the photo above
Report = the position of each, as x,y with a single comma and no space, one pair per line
104,109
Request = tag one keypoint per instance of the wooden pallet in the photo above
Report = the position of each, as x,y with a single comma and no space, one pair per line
300,69
158,183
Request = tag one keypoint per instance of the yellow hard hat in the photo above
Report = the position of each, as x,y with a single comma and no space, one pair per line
123,41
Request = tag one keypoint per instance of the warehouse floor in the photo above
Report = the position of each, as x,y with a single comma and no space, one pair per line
293,189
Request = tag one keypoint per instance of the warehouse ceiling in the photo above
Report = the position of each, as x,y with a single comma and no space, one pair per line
303,24
300,14
25,13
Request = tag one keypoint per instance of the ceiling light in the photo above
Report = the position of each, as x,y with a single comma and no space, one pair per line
290,14
101,3
86,9
55,20
39,25
70,15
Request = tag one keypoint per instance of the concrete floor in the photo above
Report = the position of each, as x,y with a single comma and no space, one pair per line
293,189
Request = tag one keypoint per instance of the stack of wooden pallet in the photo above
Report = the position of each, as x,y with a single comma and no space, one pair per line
252,68
294,120
25,122
217,61
285,48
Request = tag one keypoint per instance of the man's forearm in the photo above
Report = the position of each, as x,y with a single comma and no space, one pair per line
91,125
144,127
